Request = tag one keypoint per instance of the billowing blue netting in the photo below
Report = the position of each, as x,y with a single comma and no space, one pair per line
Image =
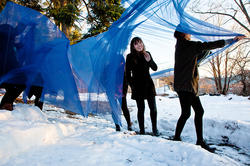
35,52
96,64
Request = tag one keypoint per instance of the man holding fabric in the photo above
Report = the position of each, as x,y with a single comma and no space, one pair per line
187,55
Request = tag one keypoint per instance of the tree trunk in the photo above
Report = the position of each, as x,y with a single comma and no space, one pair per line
66,30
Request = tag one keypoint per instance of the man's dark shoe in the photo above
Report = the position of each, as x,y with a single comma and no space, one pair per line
39,105
7,106
176,138
205,146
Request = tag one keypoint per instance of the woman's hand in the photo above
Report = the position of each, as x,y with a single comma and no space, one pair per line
146,56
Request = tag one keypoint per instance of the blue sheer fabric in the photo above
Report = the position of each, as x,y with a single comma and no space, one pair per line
35,52
87,77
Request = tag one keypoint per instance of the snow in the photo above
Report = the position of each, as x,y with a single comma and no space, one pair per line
29,136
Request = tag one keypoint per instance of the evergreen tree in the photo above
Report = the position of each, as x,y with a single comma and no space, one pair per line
64,13
33,4
102,14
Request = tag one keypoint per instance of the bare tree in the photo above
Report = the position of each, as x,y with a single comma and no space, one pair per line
234,10
224,66
242,62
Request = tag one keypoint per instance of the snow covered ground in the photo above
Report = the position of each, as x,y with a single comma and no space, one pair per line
29,136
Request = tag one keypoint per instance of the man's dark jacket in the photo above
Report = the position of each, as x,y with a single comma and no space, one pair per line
187,53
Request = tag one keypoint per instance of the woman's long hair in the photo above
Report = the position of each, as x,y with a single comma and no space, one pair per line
133,42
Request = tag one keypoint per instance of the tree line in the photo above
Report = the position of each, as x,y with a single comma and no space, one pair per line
71,15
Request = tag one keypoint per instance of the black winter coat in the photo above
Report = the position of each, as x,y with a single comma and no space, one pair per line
187,54
138,77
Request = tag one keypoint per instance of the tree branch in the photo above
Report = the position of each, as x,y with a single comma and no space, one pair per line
243,9
225,14
88,11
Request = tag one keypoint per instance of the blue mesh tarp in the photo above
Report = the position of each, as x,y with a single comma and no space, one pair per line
96,64
35,52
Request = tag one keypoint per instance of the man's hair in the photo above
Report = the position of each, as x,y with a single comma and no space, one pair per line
179,35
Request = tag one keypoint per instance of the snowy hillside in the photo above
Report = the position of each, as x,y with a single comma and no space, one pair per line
31,137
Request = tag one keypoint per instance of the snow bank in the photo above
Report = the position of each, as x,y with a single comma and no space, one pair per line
31,137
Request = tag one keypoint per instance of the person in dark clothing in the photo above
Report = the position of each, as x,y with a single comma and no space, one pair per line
187,55
124,106
14,90
8,63
138,63
124,103
37,92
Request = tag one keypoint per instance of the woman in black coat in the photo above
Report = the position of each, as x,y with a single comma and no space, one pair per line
138,63
187,55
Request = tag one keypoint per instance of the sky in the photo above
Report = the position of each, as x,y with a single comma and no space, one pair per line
29,136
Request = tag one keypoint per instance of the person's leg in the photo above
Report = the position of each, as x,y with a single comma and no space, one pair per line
184,98
126,112
153,114
12,92
115,113
140,114
37,91
198,109
198,121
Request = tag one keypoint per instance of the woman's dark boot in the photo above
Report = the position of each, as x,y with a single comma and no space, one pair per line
130,126
117,127
156,132
142,130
